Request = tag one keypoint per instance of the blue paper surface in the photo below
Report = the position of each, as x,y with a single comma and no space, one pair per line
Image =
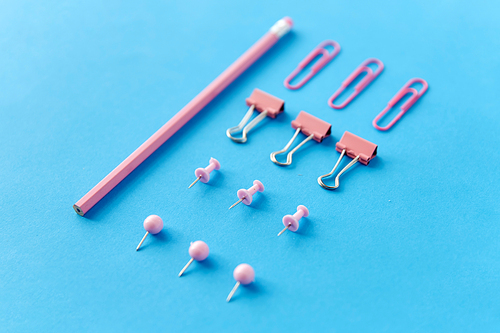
409,243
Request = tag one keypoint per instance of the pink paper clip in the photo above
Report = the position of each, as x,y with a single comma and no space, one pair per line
325,58
359,149
266,104
369,77
311,126
406,106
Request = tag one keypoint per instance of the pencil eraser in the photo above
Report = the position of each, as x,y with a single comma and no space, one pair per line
288,20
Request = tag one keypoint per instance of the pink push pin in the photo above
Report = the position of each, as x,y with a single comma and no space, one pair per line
291,222
243,274
198,251
153,224
246,195
203,174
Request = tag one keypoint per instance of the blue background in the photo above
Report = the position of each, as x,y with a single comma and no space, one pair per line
409,243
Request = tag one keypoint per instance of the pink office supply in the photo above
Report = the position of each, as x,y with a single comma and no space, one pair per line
266,104
359,149
369,77
243,274
356,147
153,225
406,106
245,196
325,57
311,126
203,174
278,30
291,222
198,251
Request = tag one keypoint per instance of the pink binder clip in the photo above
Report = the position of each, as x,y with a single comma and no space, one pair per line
406,106
359,149
369,77
266,104
311,126
325,58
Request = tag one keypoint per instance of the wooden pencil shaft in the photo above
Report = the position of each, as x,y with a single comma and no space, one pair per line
173,125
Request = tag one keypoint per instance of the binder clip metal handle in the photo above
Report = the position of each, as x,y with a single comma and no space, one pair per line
311,126
325,57
337,179
247,128
369,77
290,154
266,104
359,149
405,107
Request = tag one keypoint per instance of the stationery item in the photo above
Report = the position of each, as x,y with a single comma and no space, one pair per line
243,274
266,104
198,251
325,57
246,195
369,77
359,149
183,116
415,95
311,126
203,174
291,222
153,225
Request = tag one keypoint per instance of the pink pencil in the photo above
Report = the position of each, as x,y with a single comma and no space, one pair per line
88,201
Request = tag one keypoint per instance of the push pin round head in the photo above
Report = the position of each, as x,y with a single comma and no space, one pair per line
291,222
243,274
153,224
198,251
203,174
245,196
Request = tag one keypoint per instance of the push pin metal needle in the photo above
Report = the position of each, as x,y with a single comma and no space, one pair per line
291,222
198,251
153,224
243,274
203,174
246,195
